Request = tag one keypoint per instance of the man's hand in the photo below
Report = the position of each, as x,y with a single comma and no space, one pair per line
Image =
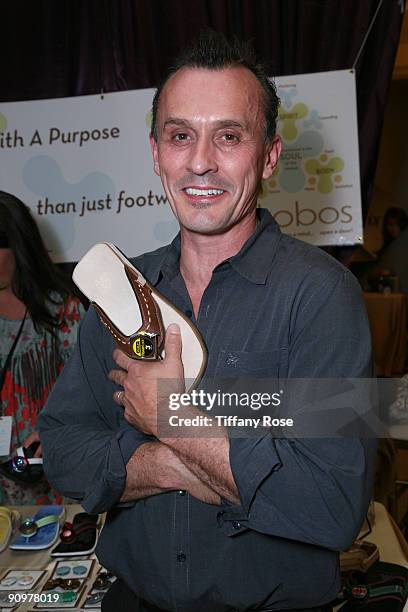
144,383
33,437
146,389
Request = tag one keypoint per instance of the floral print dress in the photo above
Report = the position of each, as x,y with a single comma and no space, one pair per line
37,361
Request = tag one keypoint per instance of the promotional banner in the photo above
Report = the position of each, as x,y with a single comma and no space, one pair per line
84,167
314,193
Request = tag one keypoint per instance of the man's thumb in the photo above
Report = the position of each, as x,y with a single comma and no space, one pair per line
172,342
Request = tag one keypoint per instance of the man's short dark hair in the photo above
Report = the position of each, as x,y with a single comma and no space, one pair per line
212,51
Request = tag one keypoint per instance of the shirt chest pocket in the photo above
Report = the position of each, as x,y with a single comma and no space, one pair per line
248,364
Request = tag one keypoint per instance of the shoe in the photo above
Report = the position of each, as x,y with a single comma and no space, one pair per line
24,468
79,537
134,312
8,520
359,557
39,531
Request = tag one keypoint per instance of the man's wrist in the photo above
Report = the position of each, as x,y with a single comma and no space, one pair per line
164,467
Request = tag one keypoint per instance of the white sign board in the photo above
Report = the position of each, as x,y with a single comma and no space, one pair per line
314,193
84,166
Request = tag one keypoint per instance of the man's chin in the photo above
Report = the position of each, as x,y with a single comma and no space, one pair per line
206,227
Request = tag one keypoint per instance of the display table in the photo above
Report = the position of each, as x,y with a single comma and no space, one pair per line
392,547
41,560
391,544
388,324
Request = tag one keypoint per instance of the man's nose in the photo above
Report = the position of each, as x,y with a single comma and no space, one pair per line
202,157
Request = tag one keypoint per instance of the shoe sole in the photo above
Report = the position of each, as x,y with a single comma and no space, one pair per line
101,276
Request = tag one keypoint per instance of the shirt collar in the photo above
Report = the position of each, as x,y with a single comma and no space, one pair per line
253,261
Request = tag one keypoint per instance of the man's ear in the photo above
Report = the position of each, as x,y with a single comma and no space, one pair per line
273,151
155,153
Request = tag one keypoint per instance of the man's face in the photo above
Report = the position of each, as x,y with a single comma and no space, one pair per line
211,153
393,227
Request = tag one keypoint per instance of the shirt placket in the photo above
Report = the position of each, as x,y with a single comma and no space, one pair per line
181,520
181,551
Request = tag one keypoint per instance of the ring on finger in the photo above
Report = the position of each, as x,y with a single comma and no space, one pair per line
120,396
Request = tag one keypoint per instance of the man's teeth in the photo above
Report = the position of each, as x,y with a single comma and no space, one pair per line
203,192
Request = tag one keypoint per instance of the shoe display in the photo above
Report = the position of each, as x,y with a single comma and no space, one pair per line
79,537
39,531
8,520
24,468
134,312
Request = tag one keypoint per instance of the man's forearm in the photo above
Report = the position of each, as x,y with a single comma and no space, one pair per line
207,458
142,473
154,468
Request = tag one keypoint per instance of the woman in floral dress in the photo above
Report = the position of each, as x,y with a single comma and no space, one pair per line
39,320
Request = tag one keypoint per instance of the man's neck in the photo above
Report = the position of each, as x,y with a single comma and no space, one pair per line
201,254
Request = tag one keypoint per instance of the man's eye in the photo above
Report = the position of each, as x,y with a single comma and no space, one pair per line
231,138
181,137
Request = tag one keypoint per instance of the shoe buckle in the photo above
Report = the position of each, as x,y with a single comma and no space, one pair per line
146,345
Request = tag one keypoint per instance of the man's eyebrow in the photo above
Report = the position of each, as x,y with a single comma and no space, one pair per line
220,123
176,121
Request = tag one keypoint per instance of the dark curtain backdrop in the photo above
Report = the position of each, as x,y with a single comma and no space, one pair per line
56,48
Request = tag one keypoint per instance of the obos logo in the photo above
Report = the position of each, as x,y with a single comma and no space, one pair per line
302,217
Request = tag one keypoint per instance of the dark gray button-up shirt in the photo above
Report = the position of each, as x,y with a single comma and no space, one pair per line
279,308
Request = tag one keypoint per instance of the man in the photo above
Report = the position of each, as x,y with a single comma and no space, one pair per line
222,523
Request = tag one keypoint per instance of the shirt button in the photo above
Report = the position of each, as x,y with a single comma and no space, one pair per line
181,492
189,313
236,525
181,557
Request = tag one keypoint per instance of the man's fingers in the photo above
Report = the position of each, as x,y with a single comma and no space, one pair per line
117,376
32,437
119,397
121,359
172,342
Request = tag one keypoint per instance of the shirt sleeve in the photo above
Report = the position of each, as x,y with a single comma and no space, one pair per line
85,439
313,490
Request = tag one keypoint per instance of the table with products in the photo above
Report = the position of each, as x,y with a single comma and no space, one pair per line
41,567
24,574
392,546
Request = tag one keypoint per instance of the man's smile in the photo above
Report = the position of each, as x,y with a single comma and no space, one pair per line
203,192
203,196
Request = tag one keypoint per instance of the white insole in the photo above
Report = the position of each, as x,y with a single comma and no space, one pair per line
101,276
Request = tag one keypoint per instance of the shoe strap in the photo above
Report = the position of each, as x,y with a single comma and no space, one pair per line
5,513
69,534
10,514
29,527
146,343
20,452
152,323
